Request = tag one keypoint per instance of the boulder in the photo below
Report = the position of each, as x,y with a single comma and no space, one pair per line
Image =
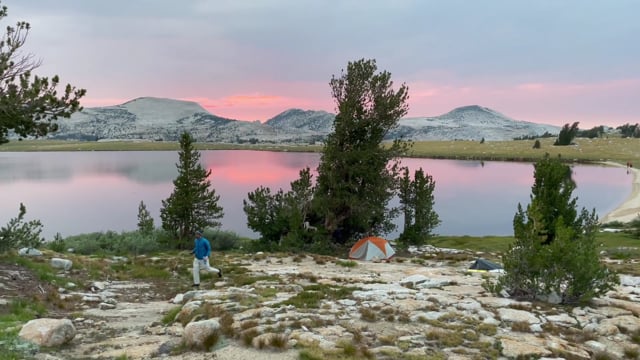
48,332
201,334
29,252
59,263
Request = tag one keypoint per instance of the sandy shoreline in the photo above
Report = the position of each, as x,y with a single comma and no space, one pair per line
630,208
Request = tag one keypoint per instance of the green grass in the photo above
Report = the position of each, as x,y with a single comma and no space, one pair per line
44,271
586,150
474,243
171,315
21,311
64,145
346,263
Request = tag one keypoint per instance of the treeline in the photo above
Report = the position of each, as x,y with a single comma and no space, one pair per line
572,131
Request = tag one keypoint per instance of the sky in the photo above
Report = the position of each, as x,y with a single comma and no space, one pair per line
544,61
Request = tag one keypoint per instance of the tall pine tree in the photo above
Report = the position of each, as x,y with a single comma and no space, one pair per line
555,251
357,174
193,203
416,202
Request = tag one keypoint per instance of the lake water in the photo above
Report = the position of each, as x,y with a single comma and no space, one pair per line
81,192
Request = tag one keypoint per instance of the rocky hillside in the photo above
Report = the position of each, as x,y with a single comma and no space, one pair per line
469,123
283,306
165,119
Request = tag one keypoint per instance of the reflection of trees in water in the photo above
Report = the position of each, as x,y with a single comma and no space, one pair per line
469,163
144,167
17,169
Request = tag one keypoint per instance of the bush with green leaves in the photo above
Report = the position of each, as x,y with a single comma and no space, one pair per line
130,243
566,263
57,244
21,233
223,240
279,217
634,227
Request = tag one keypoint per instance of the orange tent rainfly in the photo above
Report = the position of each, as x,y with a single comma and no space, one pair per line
371,248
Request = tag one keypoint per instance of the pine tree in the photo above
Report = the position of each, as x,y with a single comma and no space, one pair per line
280,216
357,173
555,250
145,221
567,134
193,203
551,195
416,202
29,105
21,233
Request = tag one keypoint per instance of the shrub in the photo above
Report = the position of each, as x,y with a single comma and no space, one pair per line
170,316
567,134
20,233
111,242
224,240
555,249
346,263
57,244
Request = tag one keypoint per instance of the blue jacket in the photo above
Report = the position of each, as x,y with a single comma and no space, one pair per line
202,248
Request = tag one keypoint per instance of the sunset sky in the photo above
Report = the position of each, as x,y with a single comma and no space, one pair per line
544,61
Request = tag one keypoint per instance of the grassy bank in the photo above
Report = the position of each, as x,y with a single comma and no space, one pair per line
585,150
60,145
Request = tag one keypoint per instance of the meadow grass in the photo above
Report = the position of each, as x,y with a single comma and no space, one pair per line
139,145
585,150
473,243
616,149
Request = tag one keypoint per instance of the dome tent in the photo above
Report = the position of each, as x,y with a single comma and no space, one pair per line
485,265
371,248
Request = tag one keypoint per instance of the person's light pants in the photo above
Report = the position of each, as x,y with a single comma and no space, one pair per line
199,265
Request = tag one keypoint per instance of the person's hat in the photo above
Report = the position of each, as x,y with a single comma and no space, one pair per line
199,232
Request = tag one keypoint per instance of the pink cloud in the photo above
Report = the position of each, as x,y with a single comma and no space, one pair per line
591,104
99,102
595,103
531,87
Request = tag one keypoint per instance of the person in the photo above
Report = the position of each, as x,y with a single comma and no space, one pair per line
201,252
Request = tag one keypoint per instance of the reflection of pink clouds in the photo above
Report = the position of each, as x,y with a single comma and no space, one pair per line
255,168
247,174
91,208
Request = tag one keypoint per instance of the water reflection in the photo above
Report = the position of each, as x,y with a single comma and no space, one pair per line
79,192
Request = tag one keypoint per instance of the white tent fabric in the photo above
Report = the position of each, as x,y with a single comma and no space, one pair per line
371,248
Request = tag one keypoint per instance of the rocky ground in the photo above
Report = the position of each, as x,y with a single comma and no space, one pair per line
274,306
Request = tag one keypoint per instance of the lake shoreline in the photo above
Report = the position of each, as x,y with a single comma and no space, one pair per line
630,208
